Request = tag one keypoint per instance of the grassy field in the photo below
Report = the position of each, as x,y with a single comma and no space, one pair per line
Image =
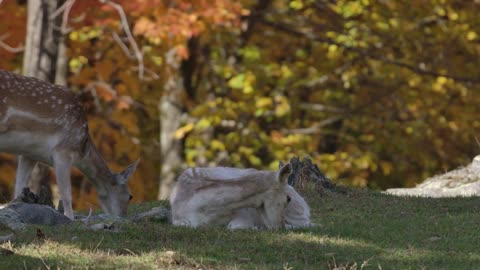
358,230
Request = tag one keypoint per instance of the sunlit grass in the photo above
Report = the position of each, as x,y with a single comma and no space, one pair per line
360,229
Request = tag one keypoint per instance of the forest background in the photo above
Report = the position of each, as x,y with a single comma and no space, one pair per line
378,93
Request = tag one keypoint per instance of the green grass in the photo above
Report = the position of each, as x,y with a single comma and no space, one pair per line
363,227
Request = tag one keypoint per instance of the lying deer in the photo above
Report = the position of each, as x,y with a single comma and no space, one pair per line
42,122
297,214
213,196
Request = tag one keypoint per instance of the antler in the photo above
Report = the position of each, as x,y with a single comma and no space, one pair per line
296,170
309,171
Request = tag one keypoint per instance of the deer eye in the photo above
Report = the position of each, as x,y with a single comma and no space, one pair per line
130,197
288,199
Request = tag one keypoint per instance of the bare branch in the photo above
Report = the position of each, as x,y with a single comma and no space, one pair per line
316,128
112,92
320,108
130,55
65,11
4,36
65,28
7,47
126,28
152,74
59,11
91,87
122,45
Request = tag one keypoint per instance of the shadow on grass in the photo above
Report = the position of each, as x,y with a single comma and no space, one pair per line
148,245
395,233
19,262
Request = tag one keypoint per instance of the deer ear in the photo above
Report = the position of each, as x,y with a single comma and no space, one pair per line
122,178
284,172
280,164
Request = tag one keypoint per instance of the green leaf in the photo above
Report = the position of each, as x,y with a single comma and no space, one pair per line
237,82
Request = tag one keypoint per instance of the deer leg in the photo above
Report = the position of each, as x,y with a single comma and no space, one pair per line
24,171
63,163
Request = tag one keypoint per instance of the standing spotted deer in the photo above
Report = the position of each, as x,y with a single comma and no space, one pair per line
213,196
42,122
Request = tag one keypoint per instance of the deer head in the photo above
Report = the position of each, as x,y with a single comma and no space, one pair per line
272,209
119,196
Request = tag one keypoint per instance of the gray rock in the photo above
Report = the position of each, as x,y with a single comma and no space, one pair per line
11,219
460,182
38,214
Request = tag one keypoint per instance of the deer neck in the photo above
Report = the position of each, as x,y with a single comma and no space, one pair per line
94,167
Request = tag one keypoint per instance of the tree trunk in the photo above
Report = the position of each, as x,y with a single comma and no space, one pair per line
171,110
44,59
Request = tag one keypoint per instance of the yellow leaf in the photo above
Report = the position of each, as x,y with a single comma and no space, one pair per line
471,35
203,124
442,80
283,107
217,145
263,102
386,167
181,132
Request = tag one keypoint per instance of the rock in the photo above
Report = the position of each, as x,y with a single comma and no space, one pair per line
11,219
460,182
18,214
28,208
38,214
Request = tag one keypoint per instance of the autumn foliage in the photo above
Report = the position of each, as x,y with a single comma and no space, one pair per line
378,93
